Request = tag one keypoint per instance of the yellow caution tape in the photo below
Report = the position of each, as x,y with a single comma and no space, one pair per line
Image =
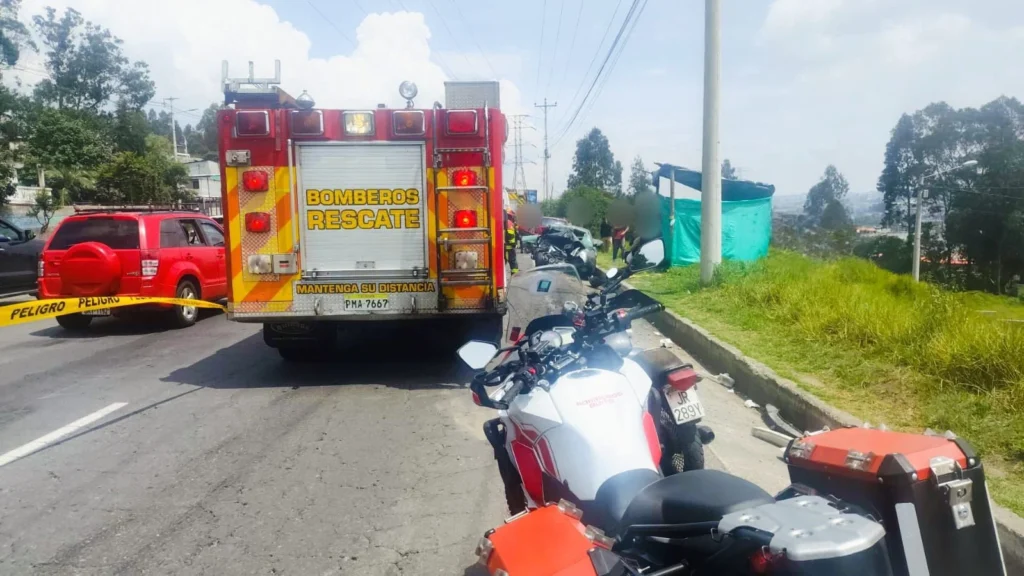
23,312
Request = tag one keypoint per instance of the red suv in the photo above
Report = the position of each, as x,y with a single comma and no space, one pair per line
134,253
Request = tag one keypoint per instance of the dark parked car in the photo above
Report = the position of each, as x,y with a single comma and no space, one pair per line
19,259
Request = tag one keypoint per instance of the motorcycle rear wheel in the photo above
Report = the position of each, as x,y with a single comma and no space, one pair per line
684,450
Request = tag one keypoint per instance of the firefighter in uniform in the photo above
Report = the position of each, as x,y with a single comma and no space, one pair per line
511,239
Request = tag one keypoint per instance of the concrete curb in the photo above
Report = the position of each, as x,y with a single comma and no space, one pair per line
762,385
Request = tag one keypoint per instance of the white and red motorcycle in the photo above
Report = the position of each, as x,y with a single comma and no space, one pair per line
578,407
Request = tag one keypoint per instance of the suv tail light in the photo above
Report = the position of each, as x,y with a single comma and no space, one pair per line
465,219
150,264
41,268
252,123
683,379
462,122
256,180
257,222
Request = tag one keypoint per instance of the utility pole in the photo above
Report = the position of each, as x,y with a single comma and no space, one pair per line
547,154
174,135
711,176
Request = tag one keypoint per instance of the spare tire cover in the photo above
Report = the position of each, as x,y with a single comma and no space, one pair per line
90,269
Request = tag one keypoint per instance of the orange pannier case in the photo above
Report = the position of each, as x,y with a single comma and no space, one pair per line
928,490
549,541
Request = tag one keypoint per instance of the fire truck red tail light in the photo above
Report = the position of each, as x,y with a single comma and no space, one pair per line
252,123
257,222
465,219
407,122
683,379
256,180
307,123
462,122
464,178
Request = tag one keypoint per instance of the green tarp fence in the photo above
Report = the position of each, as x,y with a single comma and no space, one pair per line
746,218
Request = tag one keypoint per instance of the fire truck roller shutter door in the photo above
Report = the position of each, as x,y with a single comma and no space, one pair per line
362,207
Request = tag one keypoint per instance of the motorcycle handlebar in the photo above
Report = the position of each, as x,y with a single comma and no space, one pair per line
642,311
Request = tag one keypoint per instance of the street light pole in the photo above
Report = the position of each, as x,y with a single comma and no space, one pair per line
915,266
711,179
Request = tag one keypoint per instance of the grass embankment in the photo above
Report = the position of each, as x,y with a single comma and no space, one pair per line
875,344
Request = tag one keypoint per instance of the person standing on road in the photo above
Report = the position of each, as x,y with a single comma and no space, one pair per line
618,236
606,236
511,236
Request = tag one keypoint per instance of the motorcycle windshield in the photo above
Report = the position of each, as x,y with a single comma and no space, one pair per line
542,293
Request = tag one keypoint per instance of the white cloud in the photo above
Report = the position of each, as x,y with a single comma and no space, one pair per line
786,15
185,41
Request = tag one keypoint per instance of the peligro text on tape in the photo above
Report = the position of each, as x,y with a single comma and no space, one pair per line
23,312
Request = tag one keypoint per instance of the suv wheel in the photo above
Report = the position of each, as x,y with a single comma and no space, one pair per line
74,321
185,316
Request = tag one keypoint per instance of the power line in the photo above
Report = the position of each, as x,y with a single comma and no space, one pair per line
540,47
615,60
360,6
554,52
635,10
572,44
597,52
473,36
330,22
440,61
444,22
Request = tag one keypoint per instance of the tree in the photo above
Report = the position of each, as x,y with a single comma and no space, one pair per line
70,147
728,172
831,189
150,178
14,35
897,182
45,207
87,66
639,178
594,165
835,216
129,129
585,206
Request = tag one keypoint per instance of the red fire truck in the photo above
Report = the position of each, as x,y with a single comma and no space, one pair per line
340,216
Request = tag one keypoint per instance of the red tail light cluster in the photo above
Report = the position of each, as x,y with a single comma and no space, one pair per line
465,219
683,379
464,178
462,122
150,263
252,123
257,222
256,180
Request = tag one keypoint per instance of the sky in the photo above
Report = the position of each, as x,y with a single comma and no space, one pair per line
805,83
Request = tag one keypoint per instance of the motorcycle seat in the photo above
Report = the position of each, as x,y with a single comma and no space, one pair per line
687,497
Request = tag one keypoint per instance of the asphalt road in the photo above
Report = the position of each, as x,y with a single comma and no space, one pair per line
210,455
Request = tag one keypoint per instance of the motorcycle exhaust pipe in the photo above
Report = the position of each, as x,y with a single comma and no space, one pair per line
706,434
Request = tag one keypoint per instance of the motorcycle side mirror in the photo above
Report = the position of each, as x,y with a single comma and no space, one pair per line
647,256
476,354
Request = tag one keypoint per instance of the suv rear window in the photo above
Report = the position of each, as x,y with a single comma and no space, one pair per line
118,233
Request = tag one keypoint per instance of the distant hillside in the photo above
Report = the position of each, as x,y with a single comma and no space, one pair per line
864,207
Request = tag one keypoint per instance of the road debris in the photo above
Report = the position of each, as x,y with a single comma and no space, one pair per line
770,436
751,404
774,420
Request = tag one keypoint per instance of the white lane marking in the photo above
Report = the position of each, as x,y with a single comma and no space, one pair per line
42,441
